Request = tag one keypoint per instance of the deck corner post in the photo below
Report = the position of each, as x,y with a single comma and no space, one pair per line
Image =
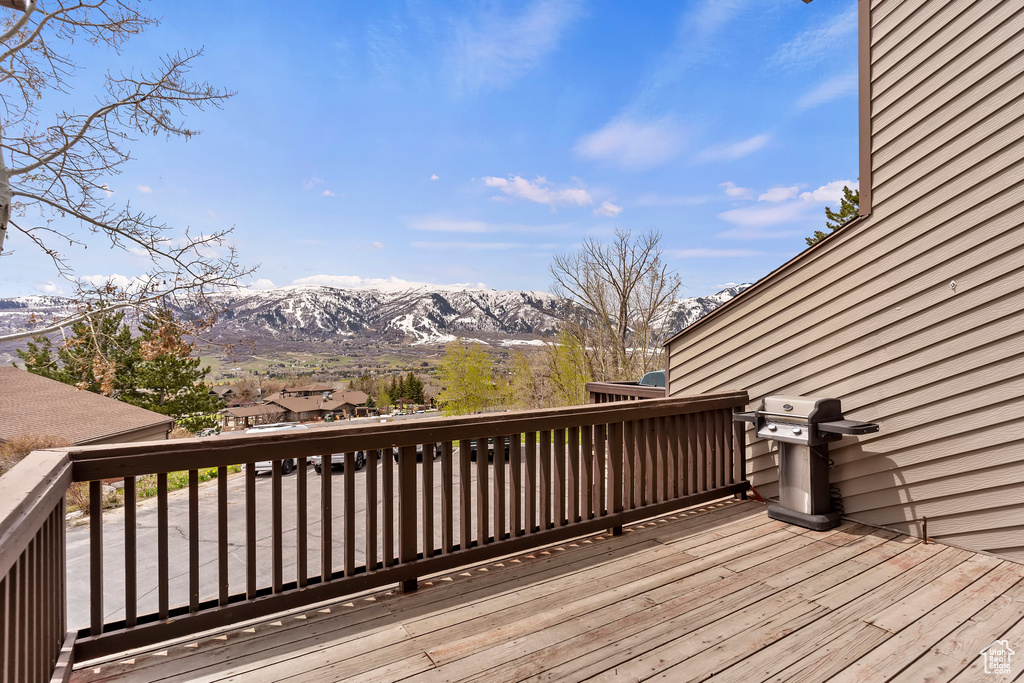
409,585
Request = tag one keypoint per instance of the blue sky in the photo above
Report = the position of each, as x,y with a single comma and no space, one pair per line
462,142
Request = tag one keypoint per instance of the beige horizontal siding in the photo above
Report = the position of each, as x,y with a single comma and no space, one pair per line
870,317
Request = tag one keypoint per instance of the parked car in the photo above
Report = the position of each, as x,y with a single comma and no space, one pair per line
490,448
287,464
419,452
653,379
338,461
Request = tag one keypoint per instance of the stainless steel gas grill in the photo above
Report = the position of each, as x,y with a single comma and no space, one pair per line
803,428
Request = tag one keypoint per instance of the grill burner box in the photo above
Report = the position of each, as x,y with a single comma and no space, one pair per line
803,428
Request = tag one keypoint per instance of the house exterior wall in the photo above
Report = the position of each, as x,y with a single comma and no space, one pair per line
871,315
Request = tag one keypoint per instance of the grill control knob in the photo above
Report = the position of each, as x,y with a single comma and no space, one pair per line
772,428
796,430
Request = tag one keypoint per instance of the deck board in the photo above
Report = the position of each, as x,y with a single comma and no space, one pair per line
719,590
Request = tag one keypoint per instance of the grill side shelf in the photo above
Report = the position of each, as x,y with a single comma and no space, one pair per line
851,427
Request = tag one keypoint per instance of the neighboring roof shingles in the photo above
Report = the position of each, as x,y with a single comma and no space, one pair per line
30,404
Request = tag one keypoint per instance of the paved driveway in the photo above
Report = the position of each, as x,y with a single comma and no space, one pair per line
113,540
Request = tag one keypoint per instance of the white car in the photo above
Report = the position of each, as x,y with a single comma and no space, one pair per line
287,464
338,460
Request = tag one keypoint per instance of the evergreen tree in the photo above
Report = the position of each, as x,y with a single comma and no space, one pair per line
849,208
414,389
100,356
168,379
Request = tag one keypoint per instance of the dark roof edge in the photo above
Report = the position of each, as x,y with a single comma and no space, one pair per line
762,282
169,422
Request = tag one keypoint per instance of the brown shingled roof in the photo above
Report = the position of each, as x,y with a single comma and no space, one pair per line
30,404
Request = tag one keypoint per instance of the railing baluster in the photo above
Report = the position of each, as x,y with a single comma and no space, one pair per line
560,478
193,541
531,482
407,510
690,431
276,528
428,500
616,475
574,475
388,499
465,496
668,466
702,452
6,629
371,510
32,613
628,461
723,446
447,496
131,582
326,519
21,624
648,463
95,557
301,538
600,459
350,514
483,536
250,530
499,487
515,498
162,553
223,583
740,458
545,480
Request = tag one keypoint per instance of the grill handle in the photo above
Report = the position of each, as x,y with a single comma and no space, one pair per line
750,417
851,427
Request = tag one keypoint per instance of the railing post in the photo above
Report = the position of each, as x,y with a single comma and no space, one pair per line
615,466
739,452
407,511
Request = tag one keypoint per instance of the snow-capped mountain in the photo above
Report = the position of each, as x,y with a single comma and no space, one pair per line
413,316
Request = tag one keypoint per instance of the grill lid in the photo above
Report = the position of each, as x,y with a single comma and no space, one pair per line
801,408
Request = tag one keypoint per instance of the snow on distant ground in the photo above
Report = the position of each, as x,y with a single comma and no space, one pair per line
523,342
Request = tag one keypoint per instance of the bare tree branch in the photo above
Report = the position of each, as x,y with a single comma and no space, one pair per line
55,171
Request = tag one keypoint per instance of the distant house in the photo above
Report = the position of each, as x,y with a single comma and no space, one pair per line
340,404
913,314
306,391
243,417
31,405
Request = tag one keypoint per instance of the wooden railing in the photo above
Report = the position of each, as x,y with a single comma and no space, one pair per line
34,643
606,392
564,472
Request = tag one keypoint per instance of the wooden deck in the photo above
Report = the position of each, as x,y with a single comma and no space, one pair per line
718,590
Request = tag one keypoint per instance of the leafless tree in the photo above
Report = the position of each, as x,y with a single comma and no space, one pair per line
55,167
615,298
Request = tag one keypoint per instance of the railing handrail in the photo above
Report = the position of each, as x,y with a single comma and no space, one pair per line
116,460
624,389
28,494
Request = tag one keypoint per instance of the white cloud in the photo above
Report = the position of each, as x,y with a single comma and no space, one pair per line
710,253
736,150
830,193
539,191
48,288
434,177
494,49
654,199
388,283
608,209
372,246
311,183
832,89
779,194
120,281
262,283
633,145
818,43
145,189
107,190
328,193
733,190
775,214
